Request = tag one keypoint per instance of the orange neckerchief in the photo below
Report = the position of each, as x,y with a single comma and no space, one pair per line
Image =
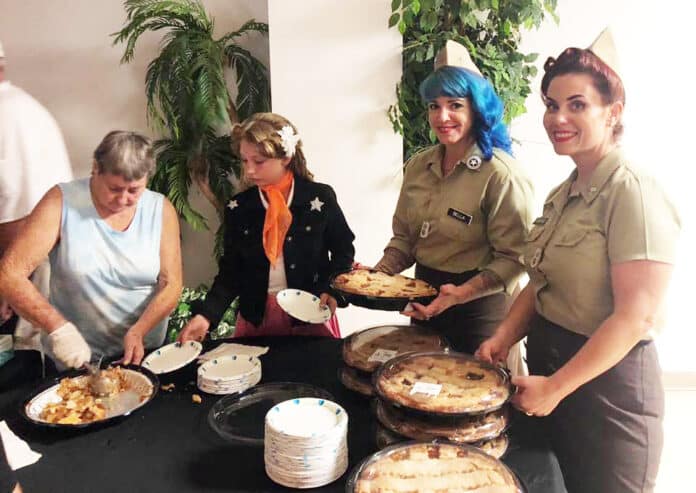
278,217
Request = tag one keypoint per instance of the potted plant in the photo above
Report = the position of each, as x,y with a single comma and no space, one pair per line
188,100
490,29
189,105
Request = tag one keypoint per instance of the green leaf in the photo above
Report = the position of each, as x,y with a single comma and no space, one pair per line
531,57
394,19
402,27
416,6
395,5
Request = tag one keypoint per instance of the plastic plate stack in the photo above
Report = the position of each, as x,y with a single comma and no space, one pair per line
229,374
305,443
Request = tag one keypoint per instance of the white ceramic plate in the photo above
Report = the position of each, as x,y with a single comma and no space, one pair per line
172,356
303,306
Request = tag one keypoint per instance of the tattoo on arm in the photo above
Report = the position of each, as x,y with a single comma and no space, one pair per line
484,284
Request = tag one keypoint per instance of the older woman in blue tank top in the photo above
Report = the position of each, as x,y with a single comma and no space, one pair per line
115,258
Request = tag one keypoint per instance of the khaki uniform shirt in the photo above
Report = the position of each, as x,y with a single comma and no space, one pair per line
621,215
474,218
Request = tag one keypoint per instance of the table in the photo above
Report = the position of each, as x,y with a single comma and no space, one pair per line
168,446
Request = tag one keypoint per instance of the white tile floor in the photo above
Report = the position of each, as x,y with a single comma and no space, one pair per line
678,467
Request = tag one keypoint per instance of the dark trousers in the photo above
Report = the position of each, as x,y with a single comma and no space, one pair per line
607,434
465,326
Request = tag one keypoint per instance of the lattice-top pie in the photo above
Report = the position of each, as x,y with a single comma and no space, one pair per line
368,349
421,467
378,284
462,430
445,383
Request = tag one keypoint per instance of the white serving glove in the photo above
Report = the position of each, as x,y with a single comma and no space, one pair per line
68,346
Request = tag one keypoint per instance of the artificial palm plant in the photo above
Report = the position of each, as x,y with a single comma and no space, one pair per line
188,100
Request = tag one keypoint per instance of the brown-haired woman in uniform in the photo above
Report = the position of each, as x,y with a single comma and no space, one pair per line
599,260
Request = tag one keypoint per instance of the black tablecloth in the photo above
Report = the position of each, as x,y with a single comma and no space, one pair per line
168,446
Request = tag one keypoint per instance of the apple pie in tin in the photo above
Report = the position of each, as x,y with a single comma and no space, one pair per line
495,447
356,381
462,430
426,466
445,384
381,291
368,349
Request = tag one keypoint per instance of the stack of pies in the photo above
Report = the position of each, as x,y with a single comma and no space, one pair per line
365,351
381,291
420,466
450,396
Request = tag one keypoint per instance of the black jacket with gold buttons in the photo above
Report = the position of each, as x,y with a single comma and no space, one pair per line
318,245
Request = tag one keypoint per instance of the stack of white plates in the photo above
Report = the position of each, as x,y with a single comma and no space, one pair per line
305,442
229,374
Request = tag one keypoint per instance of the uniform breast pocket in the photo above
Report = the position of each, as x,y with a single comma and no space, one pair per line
572,238
459,225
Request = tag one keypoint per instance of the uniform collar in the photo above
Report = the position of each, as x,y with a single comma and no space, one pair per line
467,161
600,176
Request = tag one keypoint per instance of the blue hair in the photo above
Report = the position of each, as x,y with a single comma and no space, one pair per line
456,82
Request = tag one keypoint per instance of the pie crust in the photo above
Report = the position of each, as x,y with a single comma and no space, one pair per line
462,430
434,467
442,383
381,285
365,350
352,380
495,447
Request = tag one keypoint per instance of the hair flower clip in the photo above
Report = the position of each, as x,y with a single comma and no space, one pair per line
288,139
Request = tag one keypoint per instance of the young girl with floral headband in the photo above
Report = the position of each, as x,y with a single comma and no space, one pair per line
282,231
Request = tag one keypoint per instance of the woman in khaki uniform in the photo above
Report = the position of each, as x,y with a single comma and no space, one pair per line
464,207
599,260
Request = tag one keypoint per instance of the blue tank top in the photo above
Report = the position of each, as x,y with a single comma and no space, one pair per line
102,279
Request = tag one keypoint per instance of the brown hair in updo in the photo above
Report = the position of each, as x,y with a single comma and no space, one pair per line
583,61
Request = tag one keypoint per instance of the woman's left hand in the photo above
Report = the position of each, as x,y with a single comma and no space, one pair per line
133,348
448,296
327,300
536,395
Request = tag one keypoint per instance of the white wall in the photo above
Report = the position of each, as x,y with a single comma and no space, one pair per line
655,45
60,51
335,65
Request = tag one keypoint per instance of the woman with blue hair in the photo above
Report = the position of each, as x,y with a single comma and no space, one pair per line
464,207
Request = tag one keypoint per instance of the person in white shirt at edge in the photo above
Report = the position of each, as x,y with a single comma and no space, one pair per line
33,158
115,259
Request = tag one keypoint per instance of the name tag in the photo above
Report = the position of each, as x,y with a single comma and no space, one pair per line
432,389
382,355
460,216
540,221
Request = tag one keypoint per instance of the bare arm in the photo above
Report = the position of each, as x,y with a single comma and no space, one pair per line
8,232
483,284
639,289
169,284
30,247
